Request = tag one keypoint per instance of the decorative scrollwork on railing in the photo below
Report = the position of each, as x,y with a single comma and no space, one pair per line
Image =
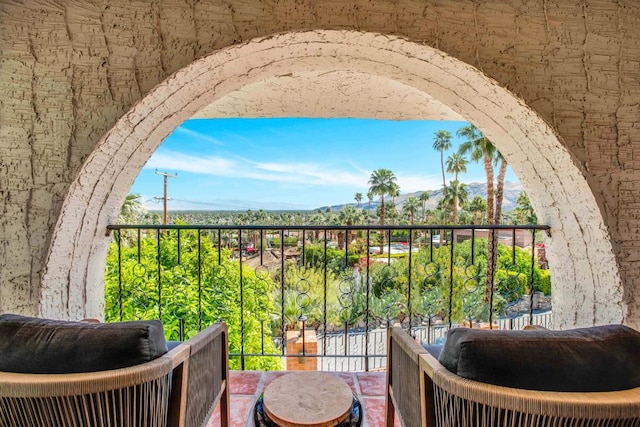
506,302
303,291
345,300
262,274
428,297
219,285
142,300
179,297
262,313
473,304
388,303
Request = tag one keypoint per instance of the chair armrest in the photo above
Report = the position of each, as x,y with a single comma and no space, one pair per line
207,376
403,378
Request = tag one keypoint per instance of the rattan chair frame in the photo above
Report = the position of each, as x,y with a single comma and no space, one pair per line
153,394
448,400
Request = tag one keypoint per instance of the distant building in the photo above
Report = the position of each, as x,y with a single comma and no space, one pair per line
523,238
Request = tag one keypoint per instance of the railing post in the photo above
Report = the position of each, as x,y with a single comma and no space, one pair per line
409,284
324,309
367,297
242,361
159,276
450,274
532,287
118,236
491,272
199,280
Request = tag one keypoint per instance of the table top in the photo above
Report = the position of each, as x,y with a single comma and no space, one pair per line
309,399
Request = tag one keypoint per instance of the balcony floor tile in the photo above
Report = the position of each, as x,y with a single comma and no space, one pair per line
240,408
372,383
245,382
374,412
246,386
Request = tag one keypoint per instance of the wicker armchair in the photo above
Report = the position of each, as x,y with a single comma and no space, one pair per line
180,388
422,392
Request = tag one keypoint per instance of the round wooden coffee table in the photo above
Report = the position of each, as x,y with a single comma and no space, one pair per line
308,399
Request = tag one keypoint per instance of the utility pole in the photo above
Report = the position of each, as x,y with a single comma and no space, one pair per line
166,176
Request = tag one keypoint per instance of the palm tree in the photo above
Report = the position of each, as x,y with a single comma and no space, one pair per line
370,197
424,196
524,210
317,219
382,182
455,193
348,216
456,163
132,210
410,206
481,148
459,190
394,192
477,205
358,198
500,185
441,143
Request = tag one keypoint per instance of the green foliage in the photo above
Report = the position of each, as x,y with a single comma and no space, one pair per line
435,282
336,260
542,281
400,236
436,285
291,241
304,294
171,292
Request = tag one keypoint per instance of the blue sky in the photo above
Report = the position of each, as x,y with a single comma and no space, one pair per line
240,164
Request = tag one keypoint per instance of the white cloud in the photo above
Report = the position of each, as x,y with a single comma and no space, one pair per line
174,161
411,183
303,173
197,135
238,167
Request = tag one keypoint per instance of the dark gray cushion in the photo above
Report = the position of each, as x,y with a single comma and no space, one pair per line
43,346
433,349
602,358
173,344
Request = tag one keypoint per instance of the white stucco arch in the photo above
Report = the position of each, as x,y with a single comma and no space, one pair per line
587,285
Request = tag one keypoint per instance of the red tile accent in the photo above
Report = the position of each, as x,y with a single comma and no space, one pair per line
244,382
240,411
374,410
372,383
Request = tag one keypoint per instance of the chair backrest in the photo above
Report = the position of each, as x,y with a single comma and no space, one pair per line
127,397
449,400
179,388
600,358
32,345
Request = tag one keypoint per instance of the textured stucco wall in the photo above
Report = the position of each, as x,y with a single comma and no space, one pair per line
69,70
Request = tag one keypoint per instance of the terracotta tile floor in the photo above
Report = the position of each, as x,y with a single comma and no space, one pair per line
246,386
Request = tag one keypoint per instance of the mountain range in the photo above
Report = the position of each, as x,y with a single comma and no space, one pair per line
511,192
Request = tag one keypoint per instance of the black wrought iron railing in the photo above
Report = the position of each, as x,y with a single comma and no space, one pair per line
300,293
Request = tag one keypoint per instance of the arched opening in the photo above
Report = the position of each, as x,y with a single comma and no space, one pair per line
587,287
